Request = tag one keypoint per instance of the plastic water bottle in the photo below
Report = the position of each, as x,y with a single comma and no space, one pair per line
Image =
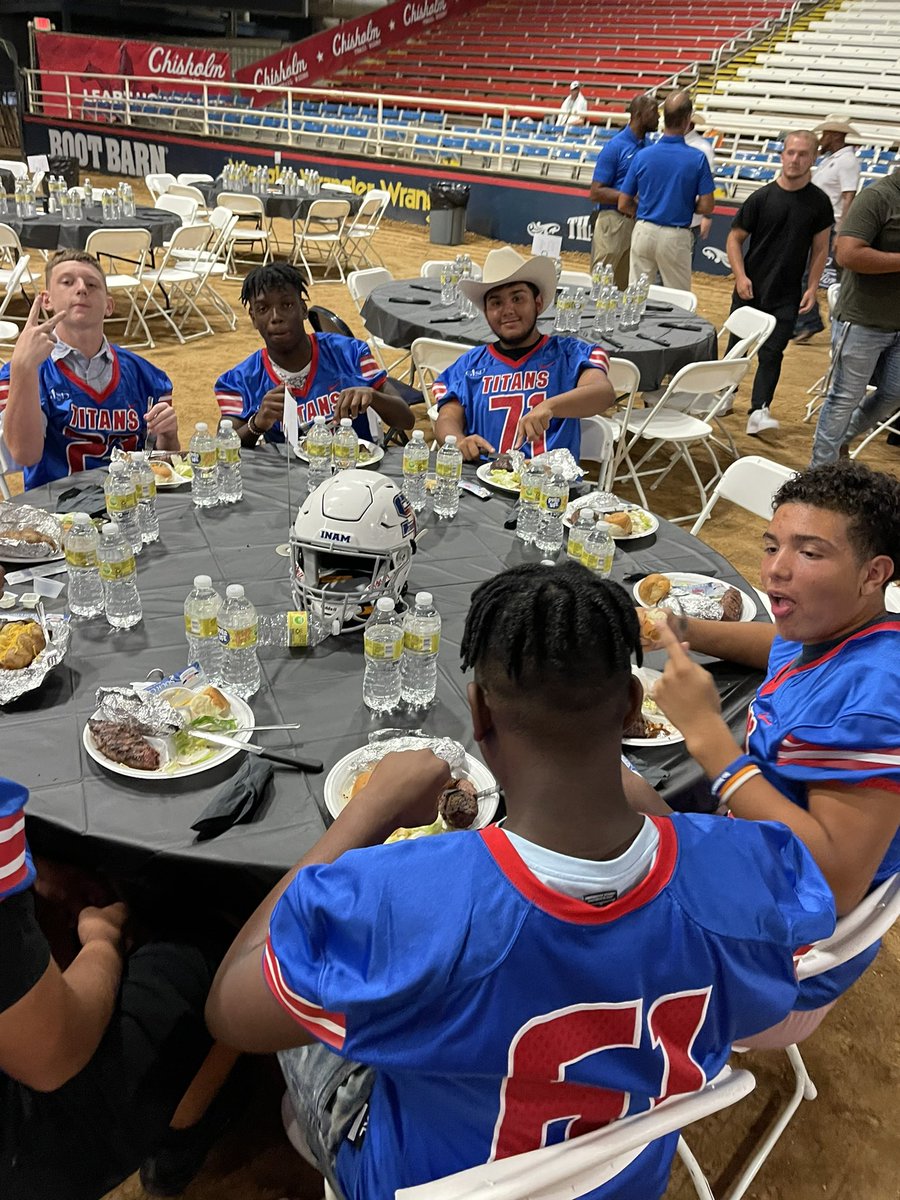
598,550
448,469
228,456
119,575
122,502
319,452
88,192
85,590
421,640
581,527
145,486
383,644
291,629
201,627
204,463
345,447
643,294
530,483
237,623
554,499
415,468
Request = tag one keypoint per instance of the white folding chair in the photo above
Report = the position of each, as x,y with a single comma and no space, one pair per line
124,247
360,284
433,267
601,439
13,282
717,402
19,169
179,286
249,237
360,233
186,179
211,262
752,328
861,928
429,357
677,429
192,193
158,184
10,253
664,295
318,240
8,333
574,279
819,390
581,1164
182,206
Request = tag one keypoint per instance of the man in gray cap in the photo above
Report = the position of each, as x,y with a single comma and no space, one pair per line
837,174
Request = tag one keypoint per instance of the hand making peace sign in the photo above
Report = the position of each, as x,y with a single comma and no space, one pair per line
37,338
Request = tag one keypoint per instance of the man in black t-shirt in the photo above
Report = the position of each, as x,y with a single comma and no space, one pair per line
788,223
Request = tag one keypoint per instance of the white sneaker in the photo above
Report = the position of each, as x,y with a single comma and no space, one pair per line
759,420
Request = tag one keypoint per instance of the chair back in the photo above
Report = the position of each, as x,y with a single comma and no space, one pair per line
16,282
664,295
433,267
243,204
866,924
323,320
19,169
704,378
361,283
574,279
158,184
327,210
9,239
751,482
431,356
751,326
181,206
190,237
187,179
192,193
128,246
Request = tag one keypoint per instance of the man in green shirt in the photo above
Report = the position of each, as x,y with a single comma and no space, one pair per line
866,330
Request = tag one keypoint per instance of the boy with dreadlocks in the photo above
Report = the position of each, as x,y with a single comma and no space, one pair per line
489,991
327,374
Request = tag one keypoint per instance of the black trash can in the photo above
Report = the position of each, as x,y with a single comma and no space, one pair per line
61,164
447,224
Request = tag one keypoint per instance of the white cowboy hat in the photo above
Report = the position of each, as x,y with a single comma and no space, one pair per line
835,123
574,84
506,266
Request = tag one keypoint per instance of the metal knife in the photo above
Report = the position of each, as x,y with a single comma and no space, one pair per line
312,765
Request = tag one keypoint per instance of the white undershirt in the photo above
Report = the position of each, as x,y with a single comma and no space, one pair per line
598,883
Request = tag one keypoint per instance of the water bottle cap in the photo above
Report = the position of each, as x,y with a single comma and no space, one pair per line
226,425
110,527
201,427
346,422
234,591
418,435
203,581
424,599
385,604
450,439
116,467
320,420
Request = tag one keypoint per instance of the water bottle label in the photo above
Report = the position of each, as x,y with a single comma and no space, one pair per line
386,650
575,550
530,493
597,562
205,627
204,459
448,470
81,558
318,451
412,467
230,456
238,639
298,628
553,504
123,569
422,643
147,491
117,504
345,456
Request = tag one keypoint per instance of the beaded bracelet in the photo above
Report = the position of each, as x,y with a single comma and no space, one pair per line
733,777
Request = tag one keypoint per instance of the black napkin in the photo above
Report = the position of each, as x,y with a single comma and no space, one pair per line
90,499
238,802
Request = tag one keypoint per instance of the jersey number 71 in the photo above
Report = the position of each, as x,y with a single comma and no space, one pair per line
515,405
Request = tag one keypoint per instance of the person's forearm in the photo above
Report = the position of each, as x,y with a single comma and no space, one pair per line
451,420
816,267
866,261
705,205
23,421
249,437
92,982
627,205
604,195
393,409
735,257
746,642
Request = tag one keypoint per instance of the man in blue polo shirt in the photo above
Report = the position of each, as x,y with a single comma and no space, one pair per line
612,229
672,181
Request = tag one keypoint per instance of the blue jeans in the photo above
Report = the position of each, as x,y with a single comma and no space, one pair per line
859,353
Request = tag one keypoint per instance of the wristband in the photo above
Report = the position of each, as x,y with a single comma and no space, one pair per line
734,776
251,425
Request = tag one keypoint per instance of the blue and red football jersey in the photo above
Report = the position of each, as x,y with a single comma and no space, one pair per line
496,392
500,1015
83,427
833,720
16,868
337,362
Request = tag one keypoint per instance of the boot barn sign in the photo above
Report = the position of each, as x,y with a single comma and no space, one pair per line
172,69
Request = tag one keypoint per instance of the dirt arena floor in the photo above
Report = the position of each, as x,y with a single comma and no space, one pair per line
842,1145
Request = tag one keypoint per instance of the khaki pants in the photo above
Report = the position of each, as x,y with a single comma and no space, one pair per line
611,243
662,248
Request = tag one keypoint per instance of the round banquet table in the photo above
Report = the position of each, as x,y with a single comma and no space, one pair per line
288,207
407,309
141,829
48,231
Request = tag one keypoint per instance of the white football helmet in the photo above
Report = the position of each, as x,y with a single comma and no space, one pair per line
352,542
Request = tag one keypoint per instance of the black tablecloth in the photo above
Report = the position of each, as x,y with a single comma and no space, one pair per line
142,828
395,312
49,231
289,207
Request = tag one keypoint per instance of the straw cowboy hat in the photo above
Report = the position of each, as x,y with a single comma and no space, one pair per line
835,123
506,266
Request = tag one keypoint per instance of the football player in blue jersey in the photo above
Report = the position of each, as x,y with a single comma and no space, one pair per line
327,374
450,1000
527,390
68,397
822,751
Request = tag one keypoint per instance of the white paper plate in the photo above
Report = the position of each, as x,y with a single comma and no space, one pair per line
340,777
240,710
484,474
683,582
648,678
648,522
377,453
